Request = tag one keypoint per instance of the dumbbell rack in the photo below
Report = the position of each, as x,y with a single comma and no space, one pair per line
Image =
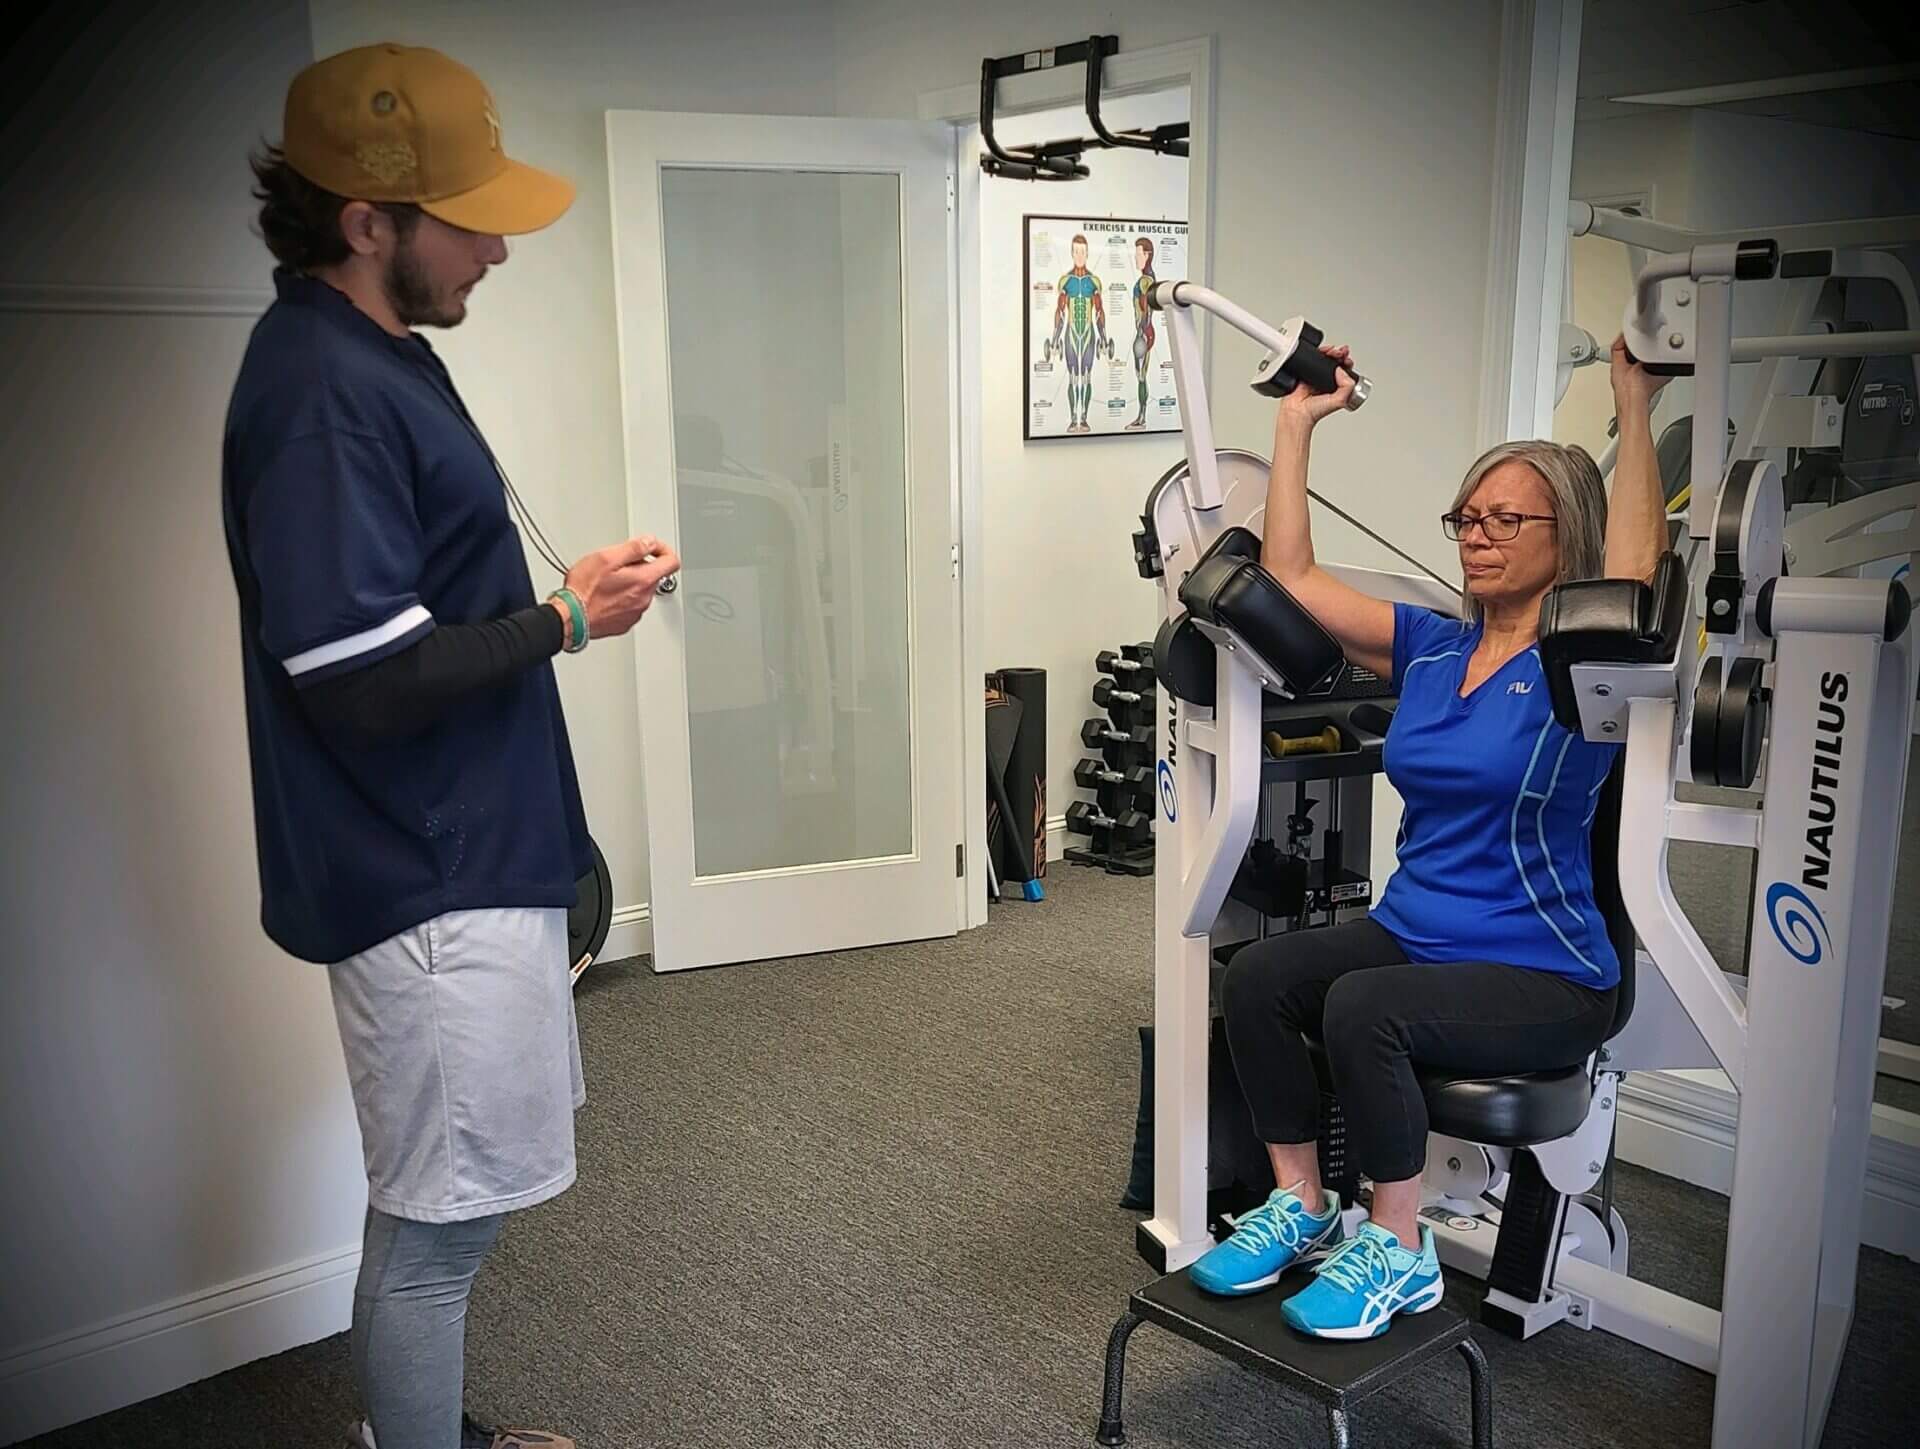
1118,819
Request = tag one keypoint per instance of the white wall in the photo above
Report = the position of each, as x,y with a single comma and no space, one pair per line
1058,514
1352,182
172,1099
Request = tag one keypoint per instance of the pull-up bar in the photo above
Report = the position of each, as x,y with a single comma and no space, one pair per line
1060,160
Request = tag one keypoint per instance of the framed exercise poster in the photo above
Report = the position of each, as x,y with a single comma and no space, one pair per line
1097,359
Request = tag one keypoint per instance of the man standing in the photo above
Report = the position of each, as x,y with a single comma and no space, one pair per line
419,824
1080,329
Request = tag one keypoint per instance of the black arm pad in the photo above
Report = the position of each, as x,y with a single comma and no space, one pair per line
1609,621
1228,587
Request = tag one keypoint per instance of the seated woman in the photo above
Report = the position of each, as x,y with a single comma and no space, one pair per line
1486,953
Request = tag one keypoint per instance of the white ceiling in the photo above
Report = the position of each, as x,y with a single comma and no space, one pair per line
1634,46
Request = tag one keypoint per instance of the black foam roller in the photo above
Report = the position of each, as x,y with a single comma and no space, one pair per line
1027,777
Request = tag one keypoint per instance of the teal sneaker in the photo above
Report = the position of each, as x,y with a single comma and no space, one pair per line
1364,1282
1266,1242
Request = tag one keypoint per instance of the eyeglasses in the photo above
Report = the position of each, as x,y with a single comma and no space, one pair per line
1498,527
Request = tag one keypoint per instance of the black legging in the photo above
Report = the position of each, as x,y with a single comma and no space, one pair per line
1351,986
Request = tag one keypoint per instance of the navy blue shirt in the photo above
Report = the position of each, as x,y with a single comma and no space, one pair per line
1495,841
362,510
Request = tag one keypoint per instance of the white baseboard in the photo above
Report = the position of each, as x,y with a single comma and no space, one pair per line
72,1377
1684,1127
1899,1059
631,934
1057,841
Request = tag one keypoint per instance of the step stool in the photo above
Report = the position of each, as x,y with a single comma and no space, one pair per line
1251,1332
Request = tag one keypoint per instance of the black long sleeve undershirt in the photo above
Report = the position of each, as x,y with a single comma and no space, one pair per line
407,692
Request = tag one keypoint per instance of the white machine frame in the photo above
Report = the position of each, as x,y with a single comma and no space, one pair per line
1780,411
1209,758
1791,1256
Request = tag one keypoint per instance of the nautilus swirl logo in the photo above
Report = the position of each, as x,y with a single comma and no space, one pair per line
1169,800
1797,923
712,608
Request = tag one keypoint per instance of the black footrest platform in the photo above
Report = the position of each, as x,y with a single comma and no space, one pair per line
1251,1332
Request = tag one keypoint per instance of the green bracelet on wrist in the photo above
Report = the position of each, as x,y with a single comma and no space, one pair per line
577,635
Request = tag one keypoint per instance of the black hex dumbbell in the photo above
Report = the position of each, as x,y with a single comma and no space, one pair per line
1129,827
1099,734
1110,696
1128,787
1091,774
1129,663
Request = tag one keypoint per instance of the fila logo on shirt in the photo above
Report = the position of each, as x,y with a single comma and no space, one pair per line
1520,686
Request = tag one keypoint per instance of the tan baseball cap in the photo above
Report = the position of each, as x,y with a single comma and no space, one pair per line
407,124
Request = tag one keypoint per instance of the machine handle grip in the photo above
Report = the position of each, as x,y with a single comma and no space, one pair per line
1756,261
1313,367
1307,366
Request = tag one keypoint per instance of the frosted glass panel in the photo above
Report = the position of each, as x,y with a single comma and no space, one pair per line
784,335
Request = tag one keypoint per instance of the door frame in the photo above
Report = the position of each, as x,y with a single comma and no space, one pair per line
934,830
1532,178
1187,62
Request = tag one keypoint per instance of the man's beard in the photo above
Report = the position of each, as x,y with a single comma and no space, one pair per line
411,294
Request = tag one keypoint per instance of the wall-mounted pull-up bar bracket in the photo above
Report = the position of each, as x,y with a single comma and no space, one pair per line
1060,160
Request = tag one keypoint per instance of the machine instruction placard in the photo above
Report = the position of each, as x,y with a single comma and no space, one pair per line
1097,357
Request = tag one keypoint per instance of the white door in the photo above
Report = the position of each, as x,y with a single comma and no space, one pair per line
782,286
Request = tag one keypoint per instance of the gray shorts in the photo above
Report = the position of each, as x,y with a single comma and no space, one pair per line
464,1060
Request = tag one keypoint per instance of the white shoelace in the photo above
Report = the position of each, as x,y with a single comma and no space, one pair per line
1269,1225
1360,1262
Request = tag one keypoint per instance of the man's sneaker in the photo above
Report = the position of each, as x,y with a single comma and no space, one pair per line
1363,1283
1266,1242
475,1436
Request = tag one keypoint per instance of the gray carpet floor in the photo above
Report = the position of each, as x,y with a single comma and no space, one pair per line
870,1200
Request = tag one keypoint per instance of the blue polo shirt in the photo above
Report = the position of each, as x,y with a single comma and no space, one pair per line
1495,857
362,511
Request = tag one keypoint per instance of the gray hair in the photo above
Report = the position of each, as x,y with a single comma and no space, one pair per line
1579,503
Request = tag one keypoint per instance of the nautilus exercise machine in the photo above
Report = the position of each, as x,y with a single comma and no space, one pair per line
1813,676
1832,398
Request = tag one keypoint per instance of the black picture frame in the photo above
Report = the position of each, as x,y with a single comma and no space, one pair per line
1162,413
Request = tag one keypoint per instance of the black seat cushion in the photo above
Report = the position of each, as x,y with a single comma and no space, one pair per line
1609,621
1512,1111
1517,1110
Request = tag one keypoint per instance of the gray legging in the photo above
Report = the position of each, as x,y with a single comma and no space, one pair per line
410,1325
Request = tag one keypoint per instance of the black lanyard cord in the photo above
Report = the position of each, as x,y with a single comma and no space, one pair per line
542,545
